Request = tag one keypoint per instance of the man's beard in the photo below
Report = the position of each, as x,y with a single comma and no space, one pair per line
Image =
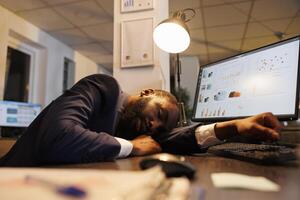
131,119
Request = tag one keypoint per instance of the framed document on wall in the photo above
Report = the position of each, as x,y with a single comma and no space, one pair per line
137,43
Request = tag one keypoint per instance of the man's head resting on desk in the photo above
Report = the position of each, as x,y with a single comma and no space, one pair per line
149,113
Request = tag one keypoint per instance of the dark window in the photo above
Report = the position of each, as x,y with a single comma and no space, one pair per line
68,74
16,86
17,76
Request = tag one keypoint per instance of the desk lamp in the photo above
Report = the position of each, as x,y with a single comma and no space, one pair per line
172,35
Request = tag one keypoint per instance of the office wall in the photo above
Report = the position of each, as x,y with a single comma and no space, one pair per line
49,54
133,80
103,70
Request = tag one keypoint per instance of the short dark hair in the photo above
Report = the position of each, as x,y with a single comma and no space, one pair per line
165,94
159,93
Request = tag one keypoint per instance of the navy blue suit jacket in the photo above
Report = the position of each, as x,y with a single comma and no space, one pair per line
79,126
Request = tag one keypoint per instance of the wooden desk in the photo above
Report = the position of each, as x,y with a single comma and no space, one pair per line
288,177
5,145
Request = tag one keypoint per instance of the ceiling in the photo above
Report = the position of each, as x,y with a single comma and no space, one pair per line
219,29
222,28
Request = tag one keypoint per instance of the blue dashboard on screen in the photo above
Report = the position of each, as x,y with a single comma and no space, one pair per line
18,114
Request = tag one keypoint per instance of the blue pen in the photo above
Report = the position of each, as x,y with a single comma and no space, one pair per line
68,190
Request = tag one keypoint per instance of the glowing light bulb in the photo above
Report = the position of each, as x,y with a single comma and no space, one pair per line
171,37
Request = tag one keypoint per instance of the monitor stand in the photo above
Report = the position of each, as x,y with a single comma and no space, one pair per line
291,131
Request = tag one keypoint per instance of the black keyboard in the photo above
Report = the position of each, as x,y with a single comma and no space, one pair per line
258,153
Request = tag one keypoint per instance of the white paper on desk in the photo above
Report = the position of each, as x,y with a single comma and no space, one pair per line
234,180
99,184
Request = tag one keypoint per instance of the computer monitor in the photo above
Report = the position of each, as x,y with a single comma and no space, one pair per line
261,80
17,114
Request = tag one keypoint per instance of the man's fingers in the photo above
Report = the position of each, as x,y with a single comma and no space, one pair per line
156,149
142,136
145,145
264,133
272,122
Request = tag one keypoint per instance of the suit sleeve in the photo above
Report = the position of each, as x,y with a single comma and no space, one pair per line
67,138
76,144
180,140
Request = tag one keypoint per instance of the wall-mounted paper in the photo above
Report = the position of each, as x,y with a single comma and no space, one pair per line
137,43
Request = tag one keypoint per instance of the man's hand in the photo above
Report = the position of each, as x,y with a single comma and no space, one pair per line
265,127
144,145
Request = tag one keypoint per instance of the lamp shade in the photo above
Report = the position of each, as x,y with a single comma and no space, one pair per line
172,36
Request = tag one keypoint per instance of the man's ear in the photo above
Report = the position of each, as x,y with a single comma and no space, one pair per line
146,92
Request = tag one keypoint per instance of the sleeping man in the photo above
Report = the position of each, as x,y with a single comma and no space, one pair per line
95,121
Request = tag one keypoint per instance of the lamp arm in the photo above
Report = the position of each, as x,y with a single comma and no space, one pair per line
182,14
189,10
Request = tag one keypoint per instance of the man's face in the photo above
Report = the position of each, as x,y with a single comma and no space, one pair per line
149,116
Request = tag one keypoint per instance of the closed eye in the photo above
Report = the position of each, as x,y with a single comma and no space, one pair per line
160,114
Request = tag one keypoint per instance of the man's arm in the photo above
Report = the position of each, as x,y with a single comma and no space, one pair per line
262,127
68,132
74,143
180,140
140,146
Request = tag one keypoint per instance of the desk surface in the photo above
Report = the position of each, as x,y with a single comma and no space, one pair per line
288,177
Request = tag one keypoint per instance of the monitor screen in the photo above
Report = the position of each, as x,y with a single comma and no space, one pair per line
17,114
261,80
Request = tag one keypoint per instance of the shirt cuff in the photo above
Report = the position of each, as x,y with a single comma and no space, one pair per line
205,135
126,147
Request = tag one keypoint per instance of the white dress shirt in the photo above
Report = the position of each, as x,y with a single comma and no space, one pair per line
205,135
126,147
